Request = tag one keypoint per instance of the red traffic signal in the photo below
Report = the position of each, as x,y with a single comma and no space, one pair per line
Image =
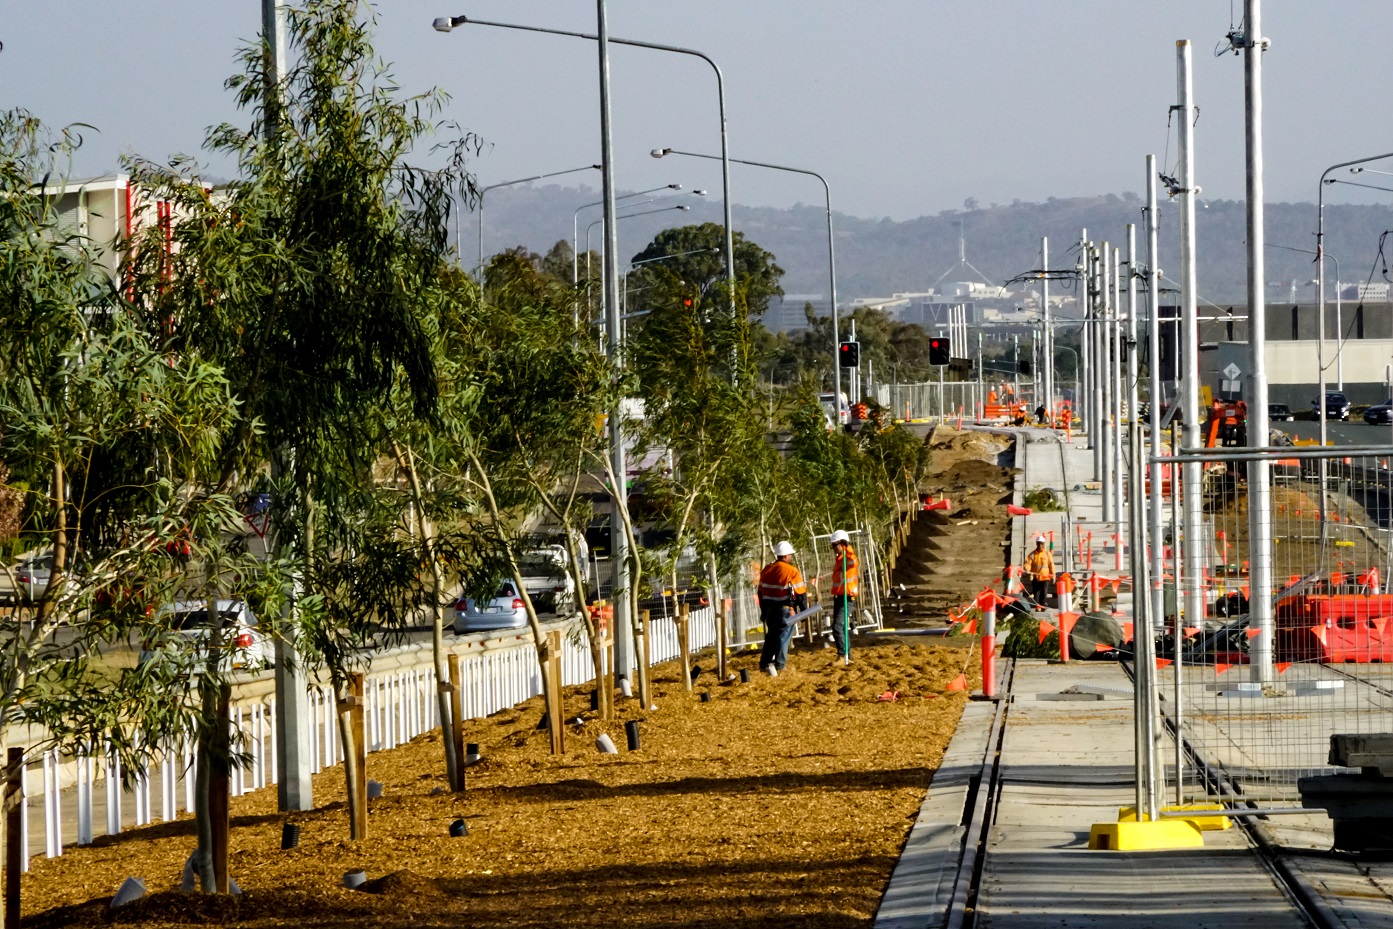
939,351
849,354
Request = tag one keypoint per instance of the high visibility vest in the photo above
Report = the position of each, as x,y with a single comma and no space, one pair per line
1039,564
846,574
780,581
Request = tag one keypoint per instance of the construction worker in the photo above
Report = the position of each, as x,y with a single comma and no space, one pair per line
781,593
1039,569
846,583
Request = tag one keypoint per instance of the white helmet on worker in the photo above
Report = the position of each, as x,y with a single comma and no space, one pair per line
782,549
1039,539
840,536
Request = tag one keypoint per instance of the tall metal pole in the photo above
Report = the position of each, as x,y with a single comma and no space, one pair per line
294,785
1156,497
1195,546
1118,387
1107,379
1143,641
619,543
1047,347
1097,374
1260,546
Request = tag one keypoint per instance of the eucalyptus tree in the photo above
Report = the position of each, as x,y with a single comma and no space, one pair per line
309,279
114,439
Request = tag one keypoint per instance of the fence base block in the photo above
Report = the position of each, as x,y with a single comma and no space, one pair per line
1128,814
1149,836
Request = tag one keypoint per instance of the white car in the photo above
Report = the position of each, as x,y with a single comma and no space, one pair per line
240,635
31,574
546,580
505,611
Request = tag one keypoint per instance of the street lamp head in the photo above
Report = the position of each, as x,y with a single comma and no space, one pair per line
682,207
674,187
447,23
1355,170
660,152
698,193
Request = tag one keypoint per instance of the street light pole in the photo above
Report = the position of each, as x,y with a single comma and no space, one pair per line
831,249
521,180
447,23
1189,327
575,224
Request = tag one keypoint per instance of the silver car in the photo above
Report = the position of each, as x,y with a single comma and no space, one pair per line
504,611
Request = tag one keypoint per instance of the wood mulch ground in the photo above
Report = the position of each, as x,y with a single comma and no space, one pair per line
782,802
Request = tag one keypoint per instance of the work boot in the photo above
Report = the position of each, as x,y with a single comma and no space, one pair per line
771,670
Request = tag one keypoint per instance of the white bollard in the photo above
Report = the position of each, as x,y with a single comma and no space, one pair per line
84,799
132,889
53,823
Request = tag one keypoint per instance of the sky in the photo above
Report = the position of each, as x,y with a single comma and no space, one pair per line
907,107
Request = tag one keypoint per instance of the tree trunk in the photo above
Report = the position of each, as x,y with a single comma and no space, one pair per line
592,627
454,765
220,789
456,716
349,708
203,813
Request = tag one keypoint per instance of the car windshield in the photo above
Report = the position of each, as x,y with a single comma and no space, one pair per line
198,619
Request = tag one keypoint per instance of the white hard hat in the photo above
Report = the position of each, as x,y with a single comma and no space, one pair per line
1039,538
840,536
783,548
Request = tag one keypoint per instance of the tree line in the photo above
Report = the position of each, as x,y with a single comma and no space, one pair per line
305,337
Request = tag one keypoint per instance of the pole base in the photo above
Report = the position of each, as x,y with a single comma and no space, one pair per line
1159,835
1128,814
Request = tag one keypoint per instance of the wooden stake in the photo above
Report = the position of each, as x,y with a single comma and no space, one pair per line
682,641
14,850
358,816
646,622
220,789
456,728
606,684
556,726
722,637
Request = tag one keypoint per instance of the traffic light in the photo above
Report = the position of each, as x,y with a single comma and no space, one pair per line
849,354
939,353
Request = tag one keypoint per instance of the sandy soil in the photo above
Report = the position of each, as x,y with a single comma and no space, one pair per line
781,802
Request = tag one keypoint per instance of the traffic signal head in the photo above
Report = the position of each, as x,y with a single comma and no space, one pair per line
939,353
849,354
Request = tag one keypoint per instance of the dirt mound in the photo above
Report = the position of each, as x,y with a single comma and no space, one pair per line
404,883
950,445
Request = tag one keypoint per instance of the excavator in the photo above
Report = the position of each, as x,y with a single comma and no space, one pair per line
1227,427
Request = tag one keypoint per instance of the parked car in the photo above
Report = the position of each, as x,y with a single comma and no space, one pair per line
504,611
31,576
1381,414
1280,413
239,635
546,580
1336,406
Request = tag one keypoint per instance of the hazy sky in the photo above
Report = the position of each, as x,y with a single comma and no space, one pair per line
907,107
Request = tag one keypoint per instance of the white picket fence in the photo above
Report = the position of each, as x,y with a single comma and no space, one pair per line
400,706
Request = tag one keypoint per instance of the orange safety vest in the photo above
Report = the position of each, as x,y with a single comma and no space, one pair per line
846,574
776,580
1039,564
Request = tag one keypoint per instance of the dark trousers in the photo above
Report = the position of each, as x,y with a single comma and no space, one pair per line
777,631
843,615
1040,589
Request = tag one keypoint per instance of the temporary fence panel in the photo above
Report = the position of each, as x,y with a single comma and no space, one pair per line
400,706
1257,699
933,400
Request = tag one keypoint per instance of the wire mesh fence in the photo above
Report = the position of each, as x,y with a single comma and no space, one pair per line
934,400
1258,685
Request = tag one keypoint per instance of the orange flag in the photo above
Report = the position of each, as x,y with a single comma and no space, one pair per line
1102,647
1252,633
1127,632
1162,663
1379,623
957,683
1067,620
1282,666
1045,630
1191,631
1337,578
1221,667
970,627
1292,579
1319,632
1116,583
1247,594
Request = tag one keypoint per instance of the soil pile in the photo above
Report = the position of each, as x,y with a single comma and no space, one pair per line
782,802
951,556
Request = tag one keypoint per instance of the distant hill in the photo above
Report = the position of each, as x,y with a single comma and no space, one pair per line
877,257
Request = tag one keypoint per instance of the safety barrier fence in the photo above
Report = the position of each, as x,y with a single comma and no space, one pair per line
67,791
1260,659
933,400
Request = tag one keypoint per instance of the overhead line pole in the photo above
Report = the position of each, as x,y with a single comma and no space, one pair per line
1260,544
1189,328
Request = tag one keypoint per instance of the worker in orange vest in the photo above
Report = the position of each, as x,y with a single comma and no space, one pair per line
846,584
781,591
1039,568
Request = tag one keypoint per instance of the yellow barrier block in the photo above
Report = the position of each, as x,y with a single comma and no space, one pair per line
1128,814
1160,835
